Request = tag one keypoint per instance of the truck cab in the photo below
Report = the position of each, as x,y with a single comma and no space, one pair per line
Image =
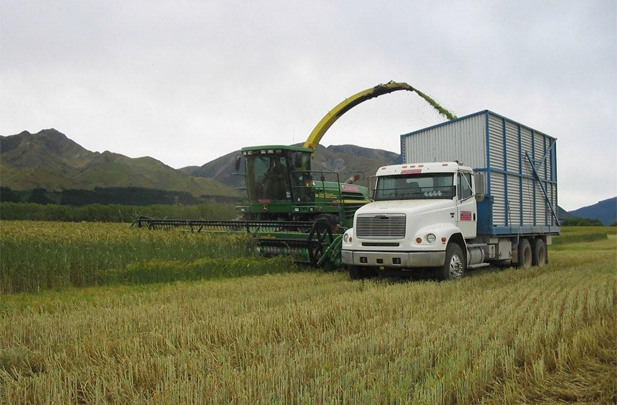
422,216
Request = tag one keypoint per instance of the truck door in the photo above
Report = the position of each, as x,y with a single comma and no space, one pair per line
466,205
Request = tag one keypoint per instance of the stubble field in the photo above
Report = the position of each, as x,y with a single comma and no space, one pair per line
107,330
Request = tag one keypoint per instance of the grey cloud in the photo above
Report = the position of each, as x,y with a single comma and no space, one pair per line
188,81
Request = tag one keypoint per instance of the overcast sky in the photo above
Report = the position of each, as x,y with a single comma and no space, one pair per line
188,81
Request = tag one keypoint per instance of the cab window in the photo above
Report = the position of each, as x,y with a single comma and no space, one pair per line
267,178
464,186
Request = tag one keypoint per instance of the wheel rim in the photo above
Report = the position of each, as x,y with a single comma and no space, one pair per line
456,267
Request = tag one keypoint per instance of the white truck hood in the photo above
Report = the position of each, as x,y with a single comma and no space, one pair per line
404,206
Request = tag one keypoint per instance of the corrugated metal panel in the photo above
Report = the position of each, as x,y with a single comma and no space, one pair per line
462,140
553,188
541,146
499,201
514,200
549,160
539,150
513,157
526,147
495,125
466,139
544,173
527,201
541,207
512,165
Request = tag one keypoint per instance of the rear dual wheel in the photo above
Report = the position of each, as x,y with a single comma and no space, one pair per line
524,254
532,253
539,252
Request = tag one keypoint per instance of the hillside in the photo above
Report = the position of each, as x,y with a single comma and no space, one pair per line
343,159
563,214
605,211
50,160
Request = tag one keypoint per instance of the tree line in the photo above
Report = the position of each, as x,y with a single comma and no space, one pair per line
211,210
107,195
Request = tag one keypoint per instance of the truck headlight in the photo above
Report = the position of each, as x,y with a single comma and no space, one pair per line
430,238
346,237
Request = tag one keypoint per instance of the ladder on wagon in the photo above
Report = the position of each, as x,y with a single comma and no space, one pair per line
535,167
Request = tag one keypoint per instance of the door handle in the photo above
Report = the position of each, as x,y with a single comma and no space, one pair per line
451,215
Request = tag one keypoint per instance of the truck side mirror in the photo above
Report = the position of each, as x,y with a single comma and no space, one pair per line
237,162
372,185
479,180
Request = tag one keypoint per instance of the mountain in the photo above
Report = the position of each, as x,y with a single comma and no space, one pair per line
563,214
342,159
50,160
605,211
220,169
350,159
189,169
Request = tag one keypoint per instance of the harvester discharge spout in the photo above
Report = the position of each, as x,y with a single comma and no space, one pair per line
290,208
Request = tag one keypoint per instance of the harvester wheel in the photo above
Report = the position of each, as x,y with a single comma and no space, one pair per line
330,219
320,237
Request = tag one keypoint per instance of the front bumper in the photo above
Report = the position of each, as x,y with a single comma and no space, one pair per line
394,259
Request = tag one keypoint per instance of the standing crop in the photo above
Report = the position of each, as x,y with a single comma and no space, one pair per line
43,255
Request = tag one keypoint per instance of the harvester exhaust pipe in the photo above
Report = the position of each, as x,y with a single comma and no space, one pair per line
353,178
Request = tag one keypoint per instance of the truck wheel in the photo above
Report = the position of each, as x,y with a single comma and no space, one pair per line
454,267
361,273
356,273
524,254
539,253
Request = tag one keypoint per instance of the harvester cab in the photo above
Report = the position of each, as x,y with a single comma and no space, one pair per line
281,185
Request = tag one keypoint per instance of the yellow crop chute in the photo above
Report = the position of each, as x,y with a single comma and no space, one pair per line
326,122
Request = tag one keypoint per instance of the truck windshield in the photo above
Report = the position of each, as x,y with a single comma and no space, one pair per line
415,187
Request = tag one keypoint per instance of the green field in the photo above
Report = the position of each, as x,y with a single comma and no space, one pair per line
110,324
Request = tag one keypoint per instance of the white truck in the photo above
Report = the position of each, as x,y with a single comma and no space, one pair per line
450,217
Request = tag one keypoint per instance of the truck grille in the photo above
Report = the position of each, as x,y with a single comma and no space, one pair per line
380,226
